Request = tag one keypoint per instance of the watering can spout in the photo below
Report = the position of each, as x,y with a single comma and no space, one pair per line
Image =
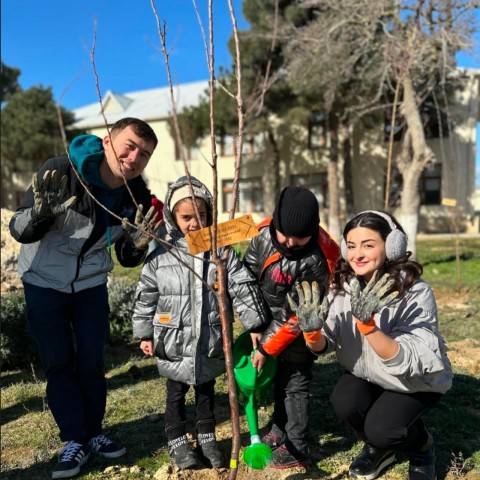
252,388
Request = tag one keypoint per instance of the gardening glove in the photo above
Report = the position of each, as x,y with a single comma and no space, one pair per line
365,303
140,235
311,314
48,195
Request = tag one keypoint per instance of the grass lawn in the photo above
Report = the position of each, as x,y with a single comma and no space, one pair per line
136,401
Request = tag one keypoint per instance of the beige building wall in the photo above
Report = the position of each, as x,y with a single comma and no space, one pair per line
456,154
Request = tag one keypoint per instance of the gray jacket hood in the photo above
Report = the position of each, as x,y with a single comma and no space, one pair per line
170,224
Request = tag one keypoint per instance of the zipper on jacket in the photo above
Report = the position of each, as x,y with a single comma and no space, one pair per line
79,265
193,316
82,252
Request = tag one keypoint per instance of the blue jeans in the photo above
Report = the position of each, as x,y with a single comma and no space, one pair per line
70,331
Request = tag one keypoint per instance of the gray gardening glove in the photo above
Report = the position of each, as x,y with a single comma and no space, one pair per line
311,314
138,235
48,195
372,298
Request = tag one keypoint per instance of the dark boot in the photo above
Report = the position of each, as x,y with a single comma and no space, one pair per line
208,444
179,448
370,462
422,464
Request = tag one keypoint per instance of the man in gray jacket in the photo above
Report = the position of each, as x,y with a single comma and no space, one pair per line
64,261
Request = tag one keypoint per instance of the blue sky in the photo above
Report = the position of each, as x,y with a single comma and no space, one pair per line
50,42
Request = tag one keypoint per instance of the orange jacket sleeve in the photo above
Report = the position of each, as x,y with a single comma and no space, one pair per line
279,340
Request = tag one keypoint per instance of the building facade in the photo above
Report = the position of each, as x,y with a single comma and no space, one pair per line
303,154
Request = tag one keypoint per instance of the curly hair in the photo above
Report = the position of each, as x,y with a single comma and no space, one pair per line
403,271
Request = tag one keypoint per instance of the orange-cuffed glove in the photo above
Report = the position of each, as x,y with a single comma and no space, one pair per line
312,337
365,303
310,312
366,327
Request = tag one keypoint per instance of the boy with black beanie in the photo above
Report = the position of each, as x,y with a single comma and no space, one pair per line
291,248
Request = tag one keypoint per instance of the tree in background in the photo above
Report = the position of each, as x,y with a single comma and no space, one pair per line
30,133
273,111
350,61
338,55
360,52
9,81
420,54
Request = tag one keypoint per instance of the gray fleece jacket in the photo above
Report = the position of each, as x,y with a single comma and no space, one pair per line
421,363
176,310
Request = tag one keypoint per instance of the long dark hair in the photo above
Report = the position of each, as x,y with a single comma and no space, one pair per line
403,271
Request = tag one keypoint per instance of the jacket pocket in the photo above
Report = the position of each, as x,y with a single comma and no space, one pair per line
168,337
215,342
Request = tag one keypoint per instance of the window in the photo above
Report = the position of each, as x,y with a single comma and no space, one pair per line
430,185
317,130
433,115
396,185
316,182
228,145
191,153
249,198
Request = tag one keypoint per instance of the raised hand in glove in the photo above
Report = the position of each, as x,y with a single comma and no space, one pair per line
145,226
48,195
365,303
311,314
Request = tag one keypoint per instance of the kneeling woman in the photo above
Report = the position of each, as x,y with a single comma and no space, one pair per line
381,320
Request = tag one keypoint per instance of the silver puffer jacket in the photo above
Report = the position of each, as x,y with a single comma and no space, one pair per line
421,363
175,309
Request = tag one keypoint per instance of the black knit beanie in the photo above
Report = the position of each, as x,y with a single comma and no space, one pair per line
296,212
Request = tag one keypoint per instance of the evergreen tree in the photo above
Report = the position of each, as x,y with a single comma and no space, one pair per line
30,132
9,81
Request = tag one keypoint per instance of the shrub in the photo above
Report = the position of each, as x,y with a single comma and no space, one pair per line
16,347
121,295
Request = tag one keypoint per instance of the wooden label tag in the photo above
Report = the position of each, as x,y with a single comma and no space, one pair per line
228,233
449,202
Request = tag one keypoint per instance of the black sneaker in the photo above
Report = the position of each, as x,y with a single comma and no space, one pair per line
105,447
370,462
273,441
422,464
71,457
182,453
282,458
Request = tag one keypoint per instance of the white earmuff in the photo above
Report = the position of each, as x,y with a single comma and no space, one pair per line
395,243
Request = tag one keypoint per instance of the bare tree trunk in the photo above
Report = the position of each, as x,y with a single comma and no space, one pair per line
415,156
271,174
347,168
332,172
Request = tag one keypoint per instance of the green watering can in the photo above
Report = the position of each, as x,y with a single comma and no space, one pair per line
252,388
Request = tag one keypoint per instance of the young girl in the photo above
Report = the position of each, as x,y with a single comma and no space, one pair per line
176,318
395,359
